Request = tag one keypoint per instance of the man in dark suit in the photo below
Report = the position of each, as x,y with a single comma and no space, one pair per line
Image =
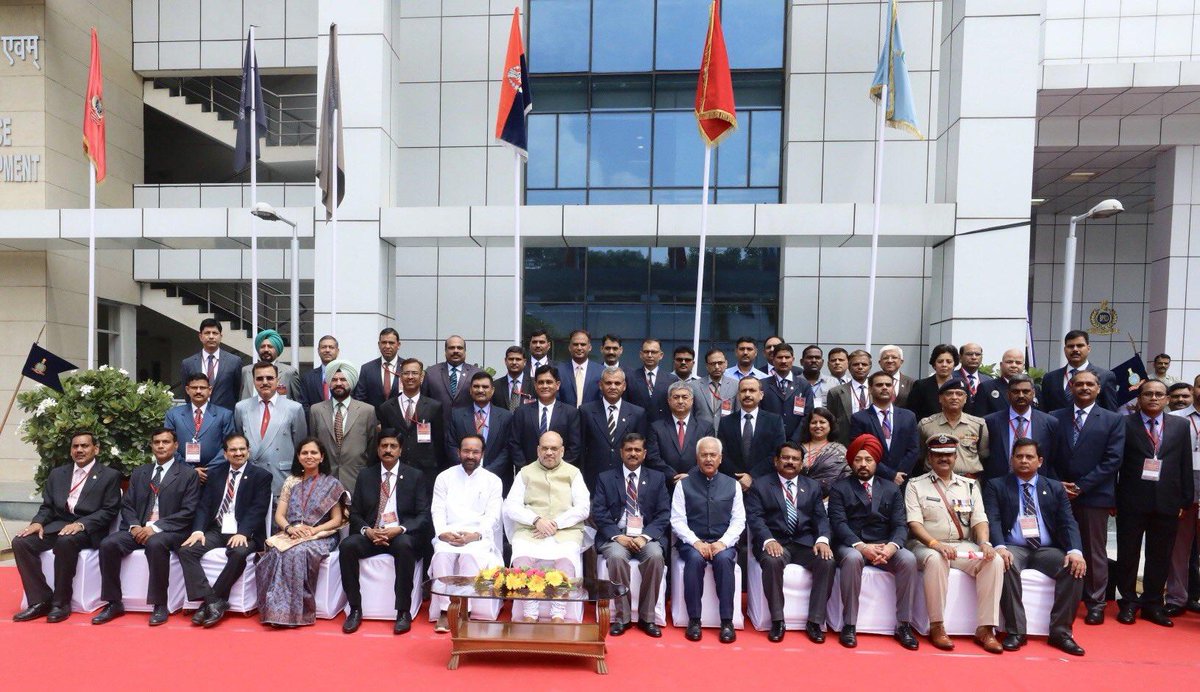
671,442
847,399
231,516
448,382
869,524
79,502
1021,419
894,427
785,394
224,369
1091,443
632,513
580,377
891,357
418,421
378,380
314,387
1030,523
604,423
389,514
156,514
491,422
201,424
992,396
1056,383
647,386
788,525
750,436
970,357
1154,488
539,352
515,387
547,414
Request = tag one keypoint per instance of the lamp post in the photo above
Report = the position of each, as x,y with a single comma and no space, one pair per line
1103,210
266,212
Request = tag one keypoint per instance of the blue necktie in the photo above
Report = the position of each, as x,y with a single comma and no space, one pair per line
545,425
1029,509
453,382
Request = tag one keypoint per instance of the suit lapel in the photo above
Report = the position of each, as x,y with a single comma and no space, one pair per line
174,473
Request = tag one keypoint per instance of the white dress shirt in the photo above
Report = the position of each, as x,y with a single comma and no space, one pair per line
737,517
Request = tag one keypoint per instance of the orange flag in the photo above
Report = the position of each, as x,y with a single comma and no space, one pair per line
93,112
715,110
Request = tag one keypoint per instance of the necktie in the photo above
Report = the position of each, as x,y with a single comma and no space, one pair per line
453,382
631,505
1067,381
154,483
578,386
339,422
1022,430
791,505
887,425
867,487
227,502
387,380
266,419
385,491
971,384
514,395
545,424
784,385
747,439
1078,427
212,368
1152,430
682,434
862,397
409,411
612,421
480,421
650,381
324,385
199,419
1029,509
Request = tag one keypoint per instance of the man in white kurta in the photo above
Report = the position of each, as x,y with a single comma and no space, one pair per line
547,507
466,522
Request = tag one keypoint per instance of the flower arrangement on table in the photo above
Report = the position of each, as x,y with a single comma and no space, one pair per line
532,580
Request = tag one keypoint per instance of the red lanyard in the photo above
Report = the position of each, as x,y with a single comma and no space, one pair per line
1012,423
76,486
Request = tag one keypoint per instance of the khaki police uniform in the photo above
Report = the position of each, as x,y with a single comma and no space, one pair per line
972,436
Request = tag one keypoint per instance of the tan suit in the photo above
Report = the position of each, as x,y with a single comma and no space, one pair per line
923,504
359,429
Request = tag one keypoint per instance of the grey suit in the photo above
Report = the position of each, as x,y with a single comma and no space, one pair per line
706,406
359,429
287,384
841,403
275,450
437,387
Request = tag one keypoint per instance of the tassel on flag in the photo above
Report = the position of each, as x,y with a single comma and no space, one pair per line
715,111
516,97
892,70
93,112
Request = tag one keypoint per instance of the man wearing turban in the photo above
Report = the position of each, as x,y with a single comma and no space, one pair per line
869,526
270,345
347,427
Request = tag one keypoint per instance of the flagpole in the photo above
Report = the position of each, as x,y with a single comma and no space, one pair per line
331,227
253,186
91,333
883,96
703,243
516,247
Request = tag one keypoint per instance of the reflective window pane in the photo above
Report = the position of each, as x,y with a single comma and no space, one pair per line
551,197
678,150
617,274
558,35
559,320
561,95
621,93
619,197
753,32
681,195
627,321
619,154
732,167
554,274
542,145
748,195
622,35
572,150
679,41
765,137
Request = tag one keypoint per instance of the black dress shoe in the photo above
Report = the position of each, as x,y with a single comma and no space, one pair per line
1157,616
649,628
216,611
815,634
33,612
1066,644
727,634
58,613
1128,615
200,615
159,615
617,629
693,631
904,635
111,612
353,621
776,633
848,638
1192,606
1173,611
403,623
1014,642
1095,615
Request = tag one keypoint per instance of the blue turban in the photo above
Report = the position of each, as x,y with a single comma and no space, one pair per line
272,336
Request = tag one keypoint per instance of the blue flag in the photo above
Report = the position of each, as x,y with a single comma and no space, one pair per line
251,96
44,367
901,114
1129,375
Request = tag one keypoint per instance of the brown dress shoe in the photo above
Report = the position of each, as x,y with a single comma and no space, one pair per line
937,637
985,638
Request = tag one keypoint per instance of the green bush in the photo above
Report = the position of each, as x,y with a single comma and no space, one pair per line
122,413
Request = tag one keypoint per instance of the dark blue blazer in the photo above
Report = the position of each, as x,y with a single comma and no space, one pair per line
496,449
600,453
591,381
370,383
178,495
766,512
217,424
662,445
564,420
852,519
228,386
902,455
249,507
638,394
608,504
1055,397
1042,427
1002,502
768,435
992,396
312,388
1093,461
782,403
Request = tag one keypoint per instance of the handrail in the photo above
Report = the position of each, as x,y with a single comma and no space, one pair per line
291,118
233,299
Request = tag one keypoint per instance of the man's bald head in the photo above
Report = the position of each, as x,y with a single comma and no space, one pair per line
550,449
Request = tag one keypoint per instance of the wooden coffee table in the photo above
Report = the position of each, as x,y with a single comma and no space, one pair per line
585,639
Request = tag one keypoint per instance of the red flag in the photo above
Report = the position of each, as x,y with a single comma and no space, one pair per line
93,112
516,97
715,110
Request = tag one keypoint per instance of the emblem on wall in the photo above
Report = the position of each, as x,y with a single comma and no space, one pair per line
1104,319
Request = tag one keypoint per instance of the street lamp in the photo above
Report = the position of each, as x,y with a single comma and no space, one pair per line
1103,210
266,212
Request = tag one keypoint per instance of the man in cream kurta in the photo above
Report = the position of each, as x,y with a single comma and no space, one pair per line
466,523
547,507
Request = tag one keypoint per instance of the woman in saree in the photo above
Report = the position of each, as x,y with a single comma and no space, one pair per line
824,459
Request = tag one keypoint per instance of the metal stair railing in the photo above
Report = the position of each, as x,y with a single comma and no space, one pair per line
291,118
230,302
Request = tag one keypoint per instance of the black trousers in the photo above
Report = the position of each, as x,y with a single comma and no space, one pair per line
198,588
1067,589
403,550
803,555
1159,532
158,549
27,551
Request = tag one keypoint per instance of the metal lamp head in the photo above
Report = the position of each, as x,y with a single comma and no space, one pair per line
1105,209
266,212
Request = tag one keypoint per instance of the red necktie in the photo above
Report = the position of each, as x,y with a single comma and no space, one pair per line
867,487
199,419
681,434
212,368
324,391
387,381
266,419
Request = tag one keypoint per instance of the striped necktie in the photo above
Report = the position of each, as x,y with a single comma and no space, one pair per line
227,502
792,516
1029,509
631,494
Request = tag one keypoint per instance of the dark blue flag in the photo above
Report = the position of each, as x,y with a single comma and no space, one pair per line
1129,375
251,96
44,367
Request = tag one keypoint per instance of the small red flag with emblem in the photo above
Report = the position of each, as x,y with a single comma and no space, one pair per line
715,110
93,112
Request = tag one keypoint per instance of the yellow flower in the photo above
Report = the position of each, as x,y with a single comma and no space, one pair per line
555,577
488,574
536,584
515,581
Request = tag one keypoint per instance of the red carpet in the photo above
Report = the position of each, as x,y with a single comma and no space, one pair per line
75,654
